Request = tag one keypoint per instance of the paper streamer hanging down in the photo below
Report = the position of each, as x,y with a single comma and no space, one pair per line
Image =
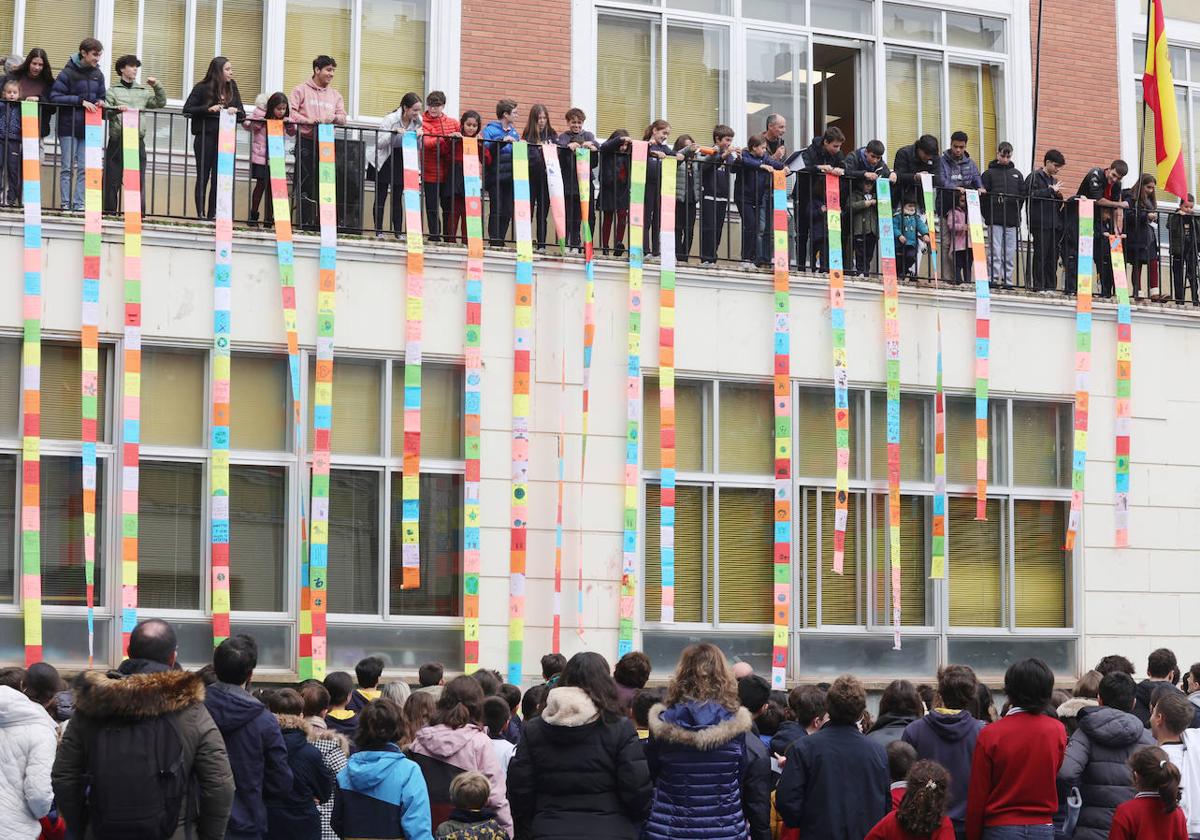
782,586
31,386
413,323
1124,419
1083,365
219,443
891,338
89,333
556,625
841,377
318,541
983,332
554,186
131,433
472,401
522,350
666,392
583,172
937,568
633,399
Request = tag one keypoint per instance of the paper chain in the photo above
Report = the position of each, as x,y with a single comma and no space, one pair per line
131,433
554,186
222,302
413,322
1083,364
782,586
583,172
983,332
666,392
556,616
472,400
841,378
937,568
31,386
93,156
522,351
891,336
1124,417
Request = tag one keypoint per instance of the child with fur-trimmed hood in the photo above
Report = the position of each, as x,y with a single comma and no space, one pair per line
294,816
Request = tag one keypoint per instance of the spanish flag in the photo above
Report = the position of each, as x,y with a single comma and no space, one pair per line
1158,91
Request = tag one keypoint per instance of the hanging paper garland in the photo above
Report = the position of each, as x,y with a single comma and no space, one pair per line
472,399
413,317
554,186
31,386
522,350
633,399
583,172
841,378
666,392
937,569
556,619
222,302
1083,365
1124,419
983,320
891,336
318,542
783,435
89,334
131,433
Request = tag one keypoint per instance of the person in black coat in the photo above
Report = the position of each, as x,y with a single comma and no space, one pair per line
899,706
1004,192
822,157
78,88
294,815
1044,191
911,161
215,93
579,769
716,170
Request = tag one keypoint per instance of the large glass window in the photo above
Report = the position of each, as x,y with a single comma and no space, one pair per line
8,524
170,535
234,29
159,44
1185,69
45,27
63,581
776,79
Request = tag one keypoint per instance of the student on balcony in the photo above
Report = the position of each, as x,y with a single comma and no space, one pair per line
78,88
389,159
215,93
127,93
314,101
498,137
440,138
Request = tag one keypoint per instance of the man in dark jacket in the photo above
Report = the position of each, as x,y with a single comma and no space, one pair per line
947,735
1161,667
1046,221
835,783
1104,187
1097,759
860,233
911,161
252,737
147,686
79,87
822,157
1005,189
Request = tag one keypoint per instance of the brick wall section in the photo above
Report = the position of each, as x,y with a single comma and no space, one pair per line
517,49
1078,114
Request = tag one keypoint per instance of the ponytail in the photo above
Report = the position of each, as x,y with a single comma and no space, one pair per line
924,805
1156,774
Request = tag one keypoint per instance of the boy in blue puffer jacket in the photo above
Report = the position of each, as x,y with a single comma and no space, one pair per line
79,87
498,137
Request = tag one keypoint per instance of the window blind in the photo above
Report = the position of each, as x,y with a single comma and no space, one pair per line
931,96
44,27
170,542
1040,563
317,27
258,537
747,430
441,411
163,25
261,402
242,43
960,439
992,96
902,120
627,74
914,540
691,437
839,599
10,383
441,548
60,391
63,581
174,400
124,39
697,78
392,54
1042,444
745,565
204,46
693,520
817,455
8,521
965,105
912,437
973,562
357,401
6,24
354,541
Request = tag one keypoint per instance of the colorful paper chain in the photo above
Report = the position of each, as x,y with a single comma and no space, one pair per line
781,595
472,400
222,303
1124,419
522,350
31,378
554,186
937,568
131,433
89,334
318,542
983,331
583,172
1083,365
666,392
891,337
413,321
556,617
841,378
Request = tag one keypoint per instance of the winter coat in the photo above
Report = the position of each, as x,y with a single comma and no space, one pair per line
342,721
889,727
712,774
1069,711
1186,756
471,825
311,104
131,96
567,159
436,151
835,784
294,815
76,84
1141,246
1045,206
911,228
442,753
957,230
256,753
1097,762
754,185
788,733
958,173
716,170
334,749
810,188
27,745
1005,187
381,794
857,165
614,175
1144,692
257,126
1184,235
948,739
654,169
141,694
498,153
576,775
10,126
687,178
864,217
907,166
196,106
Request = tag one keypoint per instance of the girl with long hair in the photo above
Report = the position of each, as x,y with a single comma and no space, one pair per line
276,108
469,126
389,159
657,133
1154,812
538,131
1141,240
922,812
216,92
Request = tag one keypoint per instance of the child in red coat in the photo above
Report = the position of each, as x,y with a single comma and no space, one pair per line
1154,814
922,812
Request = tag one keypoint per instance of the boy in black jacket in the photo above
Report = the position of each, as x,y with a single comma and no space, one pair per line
1104,186
911,161
864,167
715,172
1046,221
1004,187
754,198
1183,230
822,157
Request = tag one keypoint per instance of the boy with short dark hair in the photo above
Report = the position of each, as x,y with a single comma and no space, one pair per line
511,695
127,94
339,718
716,169
864,166
1004,185
431,674
1183,229
643,702
78,88
1044,191
754,198
368,670
498,137
437,158
901,757
1162,668
574,138
552,666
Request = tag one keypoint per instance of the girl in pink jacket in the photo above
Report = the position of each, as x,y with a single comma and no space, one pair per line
277,108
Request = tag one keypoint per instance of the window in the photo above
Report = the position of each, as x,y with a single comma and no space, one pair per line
159,44
61,373
8,525
441,548
260,402
238,36
44,27
258,533
1185,68
357,406
63,582
843,15
7,15
776,79
170,535
175,379
10,383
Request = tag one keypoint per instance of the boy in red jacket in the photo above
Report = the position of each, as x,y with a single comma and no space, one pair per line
1016,761
437,161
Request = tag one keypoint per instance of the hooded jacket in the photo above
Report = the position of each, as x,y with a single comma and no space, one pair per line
1005,187
1045,205
381,795
311,104
811,188
27,744
907,166
712,774
256,753
150,693
1097,763
131,95
497,153
948,739
578,775
442,753
1145,689
788,733
1069,711
294,816
889,727
959,173
76,83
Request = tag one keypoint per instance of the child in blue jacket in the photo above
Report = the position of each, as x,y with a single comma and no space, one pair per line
910,229
754,196
10,143
498,137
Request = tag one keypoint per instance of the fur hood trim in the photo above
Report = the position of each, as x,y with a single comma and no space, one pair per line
568,705
1072,707
319,736
706,738
295,722
138,696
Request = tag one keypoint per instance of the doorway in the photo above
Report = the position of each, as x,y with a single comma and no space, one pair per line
837,70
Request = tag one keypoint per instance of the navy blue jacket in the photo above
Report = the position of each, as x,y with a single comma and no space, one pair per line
381,794
256,753
10,126
950,741
294,816
754,185
75,85
834,785
712,775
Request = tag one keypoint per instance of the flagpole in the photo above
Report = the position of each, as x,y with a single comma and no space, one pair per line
1037,88
1149,47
